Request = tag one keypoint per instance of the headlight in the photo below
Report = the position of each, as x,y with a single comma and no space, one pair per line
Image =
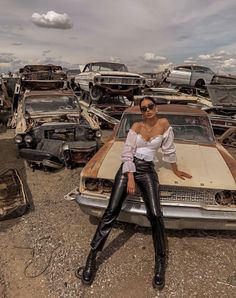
98,185
107,185
91,184
65,147
98,133
96,79
18,139
28,139
225,197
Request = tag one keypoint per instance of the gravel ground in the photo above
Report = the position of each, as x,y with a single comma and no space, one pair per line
41,250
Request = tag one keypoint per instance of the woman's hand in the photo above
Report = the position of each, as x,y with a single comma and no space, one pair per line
131,184
182,175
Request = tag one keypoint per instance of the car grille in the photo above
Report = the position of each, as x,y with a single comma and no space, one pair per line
126,81
60,134
174,194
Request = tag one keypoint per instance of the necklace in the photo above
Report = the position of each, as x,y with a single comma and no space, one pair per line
149,129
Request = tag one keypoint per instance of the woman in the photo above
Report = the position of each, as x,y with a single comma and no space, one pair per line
142,142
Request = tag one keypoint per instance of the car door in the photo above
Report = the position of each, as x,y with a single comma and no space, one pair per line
83,79
180,75
201,73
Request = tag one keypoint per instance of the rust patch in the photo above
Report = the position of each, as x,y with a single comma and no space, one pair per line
229,160
92,167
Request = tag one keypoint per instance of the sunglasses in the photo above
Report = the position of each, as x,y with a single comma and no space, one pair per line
150,106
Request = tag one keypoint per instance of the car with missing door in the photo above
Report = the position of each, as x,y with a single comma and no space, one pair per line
189,75
207,201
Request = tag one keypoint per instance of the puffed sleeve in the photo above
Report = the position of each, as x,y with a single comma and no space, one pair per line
168,146
128,152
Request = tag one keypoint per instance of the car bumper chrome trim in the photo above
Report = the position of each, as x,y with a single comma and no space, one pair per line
175,217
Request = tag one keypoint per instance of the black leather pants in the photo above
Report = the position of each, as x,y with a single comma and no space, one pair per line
147,180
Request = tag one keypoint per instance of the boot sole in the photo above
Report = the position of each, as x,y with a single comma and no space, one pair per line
158,287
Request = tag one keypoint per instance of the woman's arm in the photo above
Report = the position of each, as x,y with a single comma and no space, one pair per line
127,157
178,173
169,150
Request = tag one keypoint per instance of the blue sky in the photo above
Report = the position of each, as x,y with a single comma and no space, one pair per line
147,35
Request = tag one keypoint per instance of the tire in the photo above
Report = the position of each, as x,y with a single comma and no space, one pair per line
95,93
200,84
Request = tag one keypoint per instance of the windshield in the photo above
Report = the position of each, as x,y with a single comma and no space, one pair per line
108,67
55,103
73,72
195,129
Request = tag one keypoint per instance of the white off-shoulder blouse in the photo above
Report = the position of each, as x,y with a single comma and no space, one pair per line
136,146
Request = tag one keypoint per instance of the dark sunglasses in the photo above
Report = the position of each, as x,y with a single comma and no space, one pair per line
150,106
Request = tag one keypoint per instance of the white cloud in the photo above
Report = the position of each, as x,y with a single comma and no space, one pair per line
229,64
52,19
115,59
163,66
17,43
152,57
214,56
189,61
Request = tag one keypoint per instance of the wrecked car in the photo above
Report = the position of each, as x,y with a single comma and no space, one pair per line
53,131
13,198
207,201
151,79
173,96
42,76
189,75
107,111
100,79
222,113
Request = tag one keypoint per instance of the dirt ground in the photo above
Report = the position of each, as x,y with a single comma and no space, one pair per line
41,250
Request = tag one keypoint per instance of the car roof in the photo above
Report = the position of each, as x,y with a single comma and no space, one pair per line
104,62
171,108
48,92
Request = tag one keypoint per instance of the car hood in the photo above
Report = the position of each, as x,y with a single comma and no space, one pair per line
118,74
205,164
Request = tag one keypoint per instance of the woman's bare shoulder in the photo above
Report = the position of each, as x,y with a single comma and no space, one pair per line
136,126
164,122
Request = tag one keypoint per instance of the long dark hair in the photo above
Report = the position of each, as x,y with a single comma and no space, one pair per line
149,98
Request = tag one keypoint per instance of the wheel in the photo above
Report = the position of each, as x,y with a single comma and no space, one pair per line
200,84
95,93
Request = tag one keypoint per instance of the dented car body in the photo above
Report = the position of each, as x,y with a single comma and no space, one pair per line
207,201
53,131
100,79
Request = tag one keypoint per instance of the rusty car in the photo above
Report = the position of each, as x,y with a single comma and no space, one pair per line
42,76
207,201
13,197
100,79
222,113
53,131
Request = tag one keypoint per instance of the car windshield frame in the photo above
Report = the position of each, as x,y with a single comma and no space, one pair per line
190,128
60,103
108,66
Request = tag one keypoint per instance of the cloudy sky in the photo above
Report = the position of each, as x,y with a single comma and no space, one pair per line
147,35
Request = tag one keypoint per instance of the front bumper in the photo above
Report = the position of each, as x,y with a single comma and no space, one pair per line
40,157
175,217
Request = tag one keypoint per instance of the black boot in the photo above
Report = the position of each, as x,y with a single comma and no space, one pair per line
159,275
160,242
89,271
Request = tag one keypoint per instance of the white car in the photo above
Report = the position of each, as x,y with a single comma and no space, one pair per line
100,79
190,75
